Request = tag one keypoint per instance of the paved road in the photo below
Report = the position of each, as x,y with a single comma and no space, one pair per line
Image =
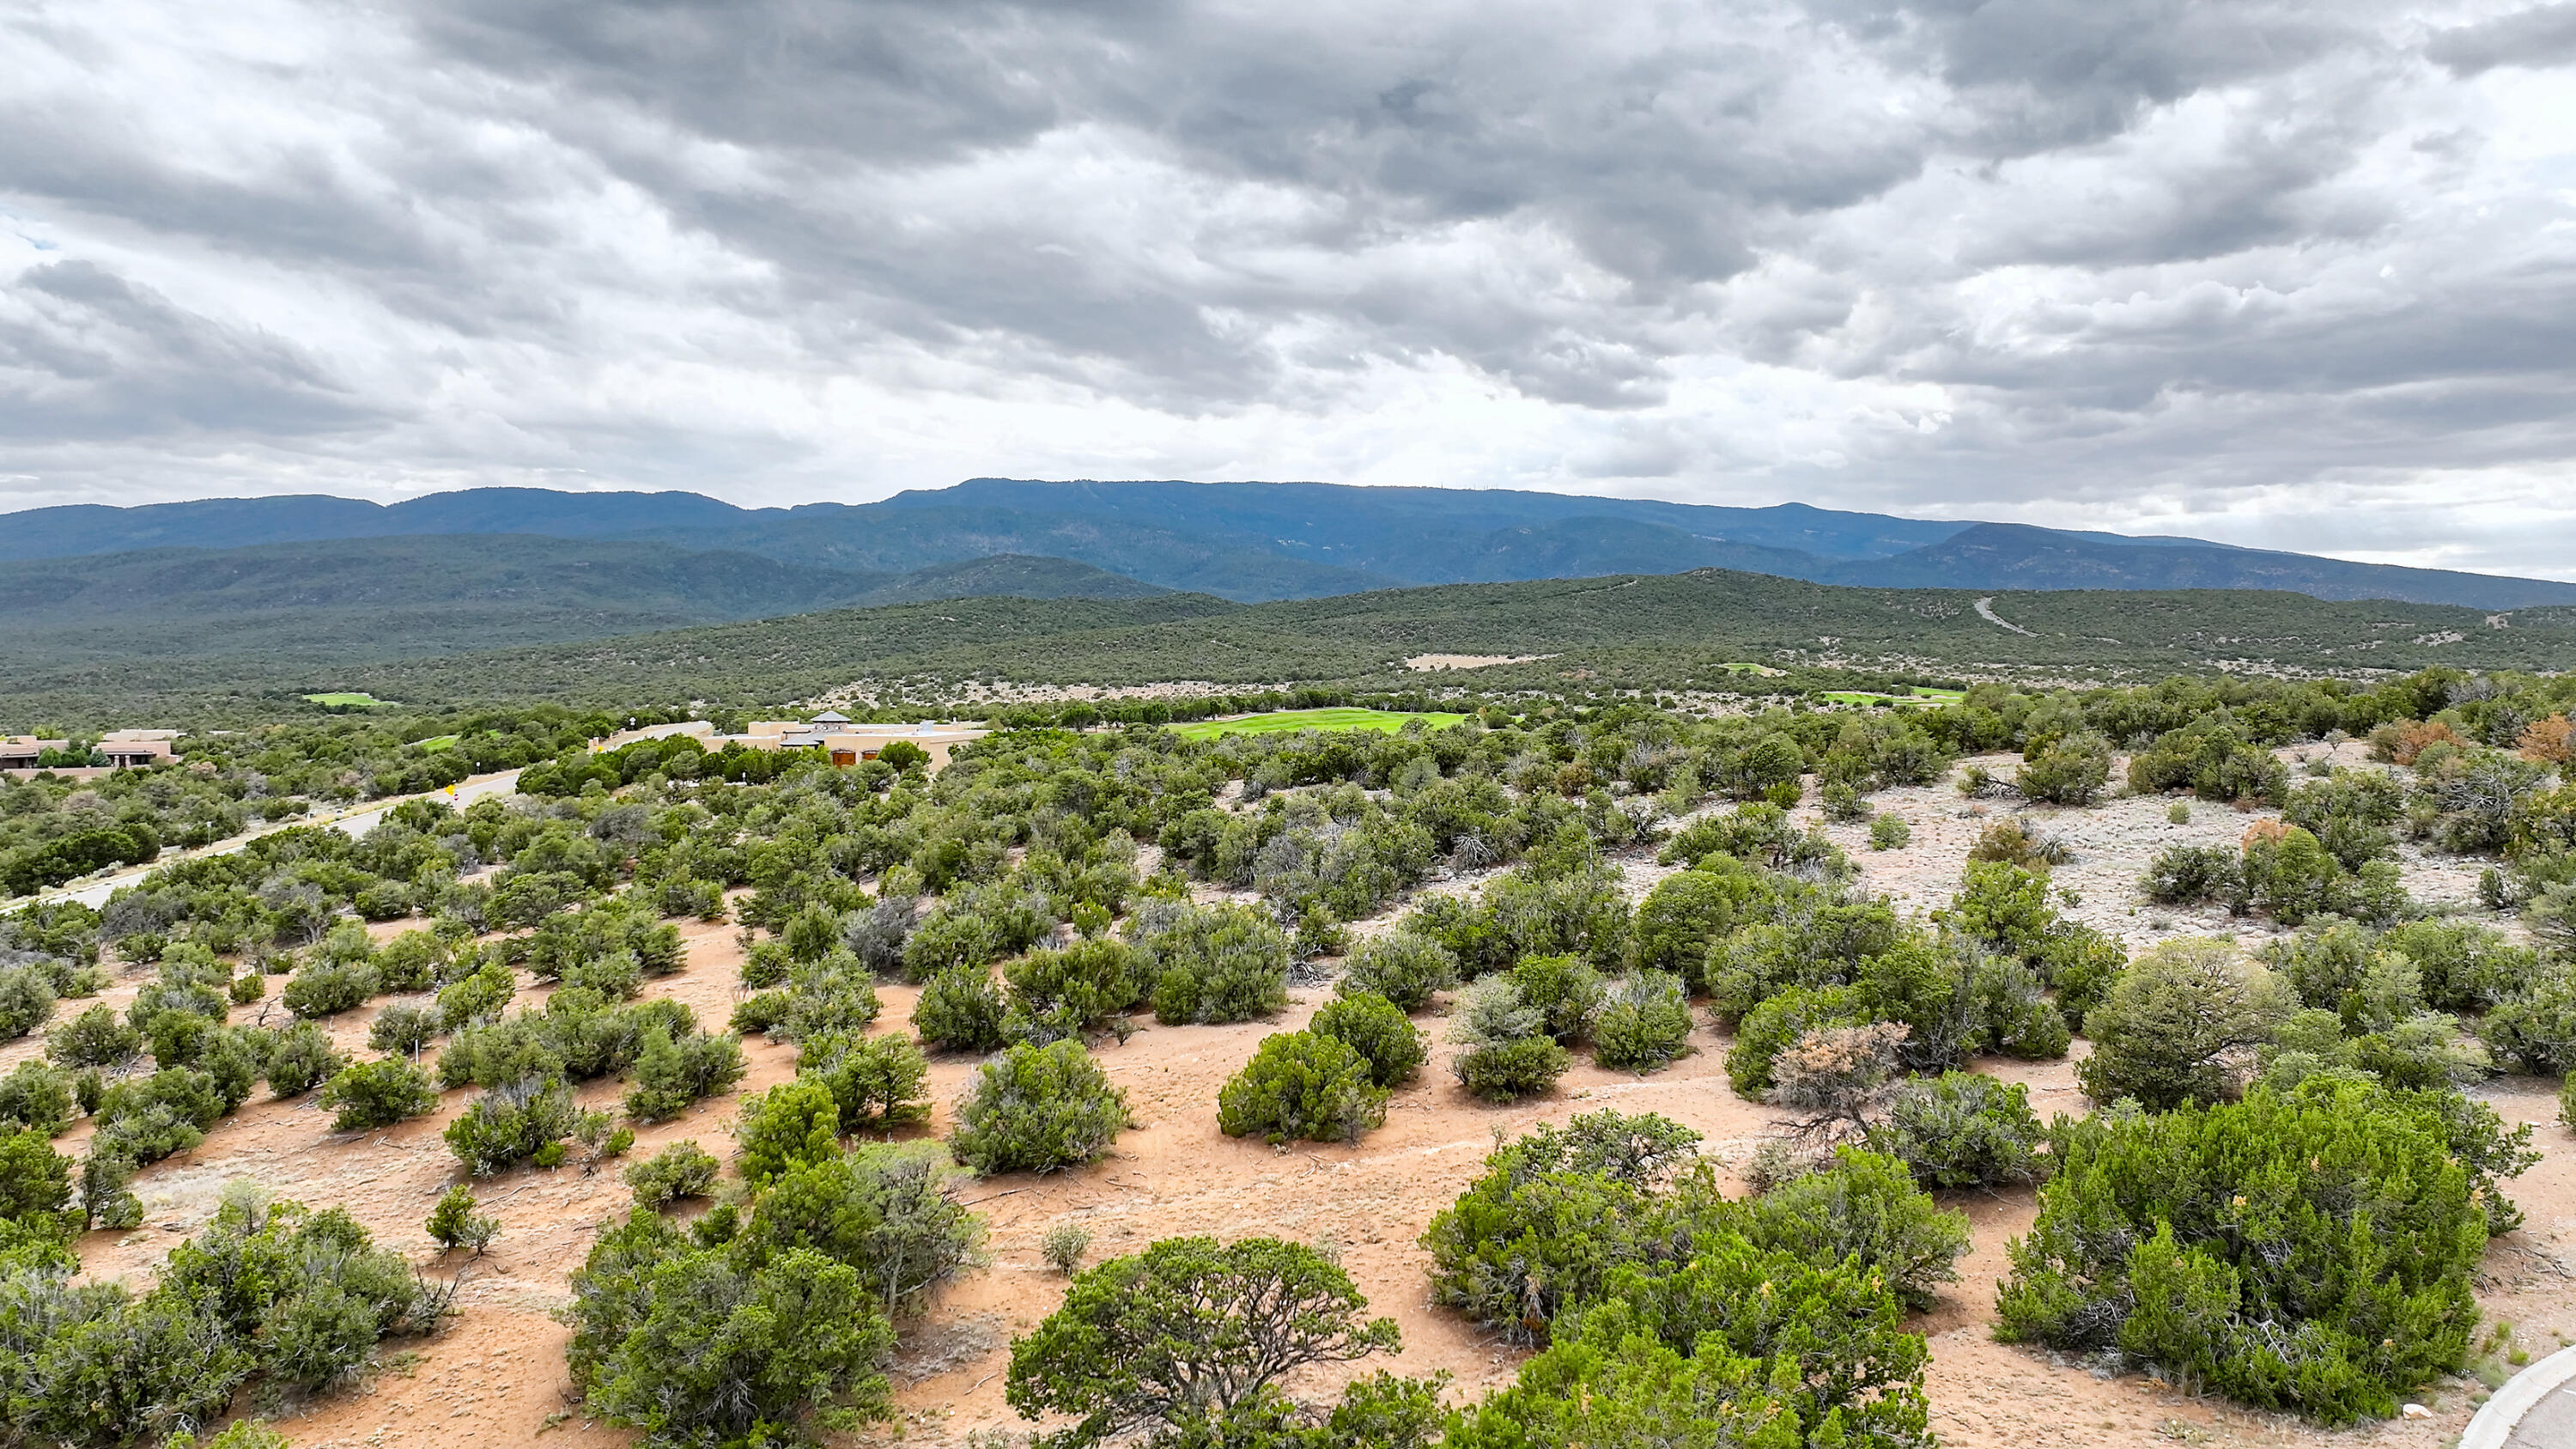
2549,1424
355,822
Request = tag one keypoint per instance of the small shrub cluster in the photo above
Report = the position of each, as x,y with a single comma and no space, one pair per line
1392,1046
2311,1251
268,1297
1402,967
1507,1050
1038,1109
681,1170
1213,963
1666,1308
1302,1085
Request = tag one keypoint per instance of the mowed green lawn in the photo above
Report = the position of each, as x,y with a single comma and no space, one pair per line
346,701
1309,719
1920,691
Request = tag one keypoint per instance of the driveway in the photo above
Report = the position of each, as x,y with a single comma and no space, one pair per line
356,821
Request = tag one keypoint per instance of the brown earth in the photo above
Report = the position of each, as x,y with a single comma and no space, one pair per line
496,1376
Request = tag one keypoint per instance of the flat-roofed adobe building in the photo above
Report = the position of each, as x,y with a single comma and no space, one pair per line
845,743
136,749
121,749
20,752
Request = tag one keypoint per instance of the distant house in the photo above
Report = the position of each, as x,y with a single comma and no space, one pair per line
833,735
19,752
136,749
122,749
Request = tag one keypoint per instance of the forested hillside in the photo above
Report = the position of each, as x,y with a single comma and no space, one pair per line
1260,541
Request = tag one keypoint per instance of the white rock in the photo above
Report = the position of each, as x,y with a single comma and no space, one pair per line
2416,1411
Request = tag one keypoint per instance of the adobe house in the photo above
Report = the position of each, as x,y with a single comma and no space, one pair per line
137,749
19,752
845,743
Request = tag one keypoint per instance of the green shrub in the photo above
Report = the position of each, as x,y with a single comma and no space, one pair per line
326,988
2465,967
501,1052
520,1122
2535,1028
1037,1109
1189,1341
680,1170
672,1073
26,1000
1685,914
889,1210
97,1037
1566,991
876,1079
402,1028
1890,832
1817,945
454,1224
149,1118
412,961
2214,759
2291,876
1401,966
378,1094
2069,771
760,1013
2186,875
1212,964
300,1297
1777,1024
1302,1086
2311,1252
1077,989
1864,1205
35,1185
301,1059
712,1348
791,1125
2181,1024
477,998
618,975
767,964
1646,1023
1556,1211
830,995
1615,1380
960,1010
239,1434
1508,1052
36,1096
1378,1030
1962,1130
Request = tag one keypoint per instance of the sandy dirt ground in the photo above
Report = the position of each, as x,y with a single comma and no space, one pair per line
496,1376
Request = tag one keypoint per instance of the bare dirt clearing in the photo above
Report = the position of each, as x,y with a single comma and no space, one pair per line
497,1375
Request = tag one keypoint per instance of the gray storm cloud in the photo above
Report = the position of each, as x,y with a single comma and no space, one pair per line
2282,274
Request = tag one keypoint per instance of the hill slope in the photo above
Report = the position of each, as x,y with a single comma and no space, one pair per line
1677,631
1261,541
376,598
2011,556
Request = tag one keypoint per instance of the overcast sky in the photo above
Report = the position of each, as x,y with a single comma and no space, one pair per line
2299,275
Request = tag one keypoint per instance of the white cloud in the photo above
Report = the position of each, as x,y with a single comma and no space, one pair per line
2265,273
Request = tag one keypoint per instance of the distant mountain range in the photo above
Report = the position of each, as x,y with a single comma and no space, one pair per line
322,576
382,598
